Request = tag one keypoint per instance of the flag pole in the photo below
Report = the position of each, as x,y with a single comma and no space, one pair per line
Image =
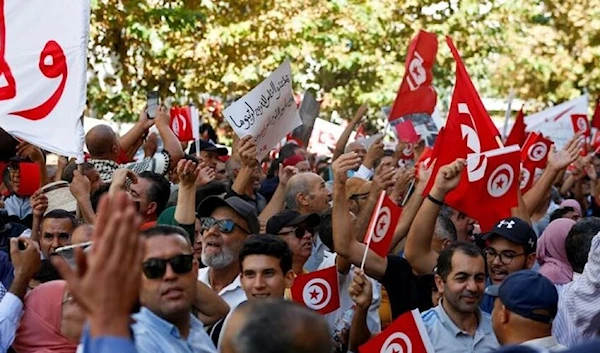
507,113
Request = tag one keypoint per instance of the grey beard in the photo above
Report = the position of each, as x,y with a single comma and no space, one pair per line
220,261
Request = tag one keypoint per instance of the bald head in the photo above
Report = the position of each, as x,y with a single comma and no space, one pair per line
358,148
102,142
299,330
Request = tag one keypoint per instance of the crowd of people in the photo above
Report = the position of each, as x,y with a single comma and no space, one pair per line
198,251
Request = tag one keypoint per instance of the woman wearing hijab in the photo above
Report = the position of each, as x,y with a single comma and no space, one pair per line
51,322
551,253
574,204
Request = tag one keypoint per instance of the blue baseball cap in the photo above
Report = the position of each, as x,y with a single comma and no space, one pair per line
528,294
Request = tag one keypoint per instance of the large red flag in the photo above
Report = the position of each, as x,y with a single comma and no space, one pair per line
596,117
382,226
534,157
517,134
318,290
181,123
406,334
468,129
416,93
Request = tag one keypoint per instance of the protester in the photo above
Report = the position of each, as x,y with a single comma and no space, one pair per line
52,320
551,253
104,148
457,324
299,330
56,229
225,224
525,307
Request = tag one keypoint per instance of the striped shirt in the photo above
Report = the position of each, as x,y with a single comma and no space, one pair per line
578,317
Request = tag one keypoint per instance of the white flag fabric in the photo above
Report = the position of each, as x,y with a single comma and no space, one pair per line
43,63
555,122
268,112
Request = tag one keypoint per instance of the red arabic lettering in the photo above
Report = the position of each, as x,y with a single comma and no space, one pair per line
10,90
56,68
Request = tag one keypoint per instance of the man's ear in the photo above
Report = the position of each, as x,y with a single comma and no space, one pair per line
439,283
151,208
504,315
302,199
530,260
289,279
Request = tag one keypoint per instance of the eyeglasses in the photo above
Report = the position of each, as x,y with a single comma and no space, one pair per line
156,268
505,257
299,231
223,225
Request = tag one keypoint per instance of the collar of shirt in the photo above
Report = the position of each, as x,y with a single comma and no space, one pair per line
147,317
548,342
484,326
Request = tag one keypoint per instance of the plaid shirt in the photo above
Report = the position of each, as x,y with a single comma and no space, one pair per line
159,163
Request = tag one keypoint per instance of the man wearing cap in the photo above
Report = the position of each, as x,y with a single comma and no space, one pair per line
525,306
225,224
299,162
297,231
509,247
209,153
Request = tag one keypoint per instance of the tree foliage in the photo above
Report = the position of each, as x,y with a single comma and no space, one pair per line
349,51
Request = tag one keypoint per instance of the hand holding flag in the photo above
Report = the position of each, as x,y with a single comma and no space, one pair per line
382,226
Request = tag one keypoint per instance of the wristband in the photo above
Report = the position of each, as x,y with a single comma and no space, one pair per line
435,201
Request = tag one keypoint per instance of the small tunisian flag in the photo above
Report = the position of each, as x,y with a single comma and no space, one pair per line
181,123
534,156
517,135
408,152
405,130
416,93
497,190
406,334
318,290
360,132
382,225
581,124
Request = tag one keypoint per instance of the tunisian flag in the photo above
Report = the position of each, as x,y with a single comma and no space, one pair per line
534,157
596,117
43,63
406,334
318,290
581,124
181,123
416,93
382,226
517,134
468,130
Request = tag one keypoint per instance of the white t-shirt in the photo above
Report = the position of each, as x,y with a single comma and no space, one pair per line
233,293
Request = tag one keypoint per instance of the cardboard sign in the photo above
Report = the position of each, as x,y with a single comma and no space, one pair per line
268,112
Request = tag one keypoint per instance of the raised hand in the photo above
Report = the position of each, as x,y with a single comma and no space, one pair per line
559,160
39,203
361,289
247,152
26,261
285,173
107,280
205,175
374,153
119,179
345,163
384,177
187,172
80,186
448,177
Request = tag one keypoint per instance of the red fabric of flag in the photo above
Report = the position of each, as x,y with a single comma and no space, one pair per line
406,334
318,290
517,134
181,123
382,226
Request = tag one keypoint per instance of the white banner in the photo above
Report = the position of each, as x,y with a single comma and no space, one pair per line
43,63
268,112
324,136
555,123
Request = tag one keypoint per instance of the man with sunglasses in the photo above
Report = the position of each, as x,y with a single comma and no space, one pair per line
224,226
165,322
297,230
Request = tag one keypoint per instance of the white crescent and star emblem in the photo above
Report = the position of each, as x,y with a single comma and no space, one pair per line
393,344
179,124
500,180
408,150
525,178
316,294
537,151
382,225
417,74
581,124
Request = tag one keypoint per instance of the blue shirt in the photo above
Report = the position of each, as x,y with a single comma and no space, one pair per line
110,344
153,334
448,338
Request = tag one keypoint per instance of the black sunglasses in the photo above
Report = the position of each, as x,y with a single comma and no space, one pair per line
299,231
156,268
223,225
